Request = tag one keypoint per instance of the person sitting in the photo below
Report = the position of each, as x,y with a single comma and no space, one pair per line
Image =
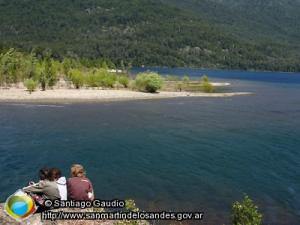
79,186
46,188
61,182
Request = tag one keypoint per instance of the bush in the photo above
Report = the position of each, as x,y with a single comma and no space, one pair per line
185,79
31,85
101,78
106,79
204,78
131,205
208,87
172,78
91,80
46,73
246,213
124,80
77,78
150,82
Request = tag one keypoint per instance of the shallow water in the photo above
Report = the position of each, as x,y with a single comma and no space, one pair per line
179,154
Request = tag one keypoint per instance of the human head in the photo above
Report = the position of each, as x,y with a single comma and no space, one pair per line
43,173
77,170
54,174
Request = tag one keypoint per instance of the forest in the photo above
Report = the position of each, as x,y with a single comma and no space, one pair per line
135,32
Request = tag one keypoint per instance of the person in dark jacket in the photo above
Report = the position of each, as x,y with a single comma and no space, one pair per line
79,186
46,187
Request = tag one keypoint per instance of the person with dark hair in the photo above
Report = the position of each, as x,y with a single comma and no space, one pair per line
55,174
46,188
43,173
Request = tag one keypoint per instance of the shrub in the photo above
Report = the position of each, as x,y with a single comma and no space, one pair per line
46,73
150,82
204,78
185,79
77,78
172,78
51,72
208,87
104,65
246,213
31,85
124,80
101,78
131,205
91,80
106,79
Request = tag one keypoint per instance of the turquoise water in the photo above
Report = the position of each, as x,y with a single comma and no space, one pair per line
197,154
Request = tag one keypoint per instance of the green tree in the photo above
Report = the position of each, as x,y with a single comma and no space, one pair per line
67,65
186,79
104,65
246,213
46,73
28,67
124,80
50,71
9,65
77,78
204,78
101,78
122,65
149,81
40,70
207,87
105,78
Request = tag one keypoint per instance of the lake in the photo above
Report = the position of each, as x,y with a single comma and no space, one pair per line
186,154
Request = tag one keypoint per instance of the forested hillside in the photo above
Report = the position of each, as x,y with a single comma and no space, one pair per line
139,32
270,19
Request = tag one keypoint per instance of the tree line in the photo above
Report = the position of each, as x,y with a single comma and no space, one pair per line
45,70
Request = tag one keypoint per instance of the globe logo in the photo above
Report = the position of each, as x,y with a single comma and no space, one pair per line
20,206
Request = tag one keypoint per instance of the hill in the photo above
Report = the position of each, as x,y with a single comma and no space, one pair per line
277,20
139,32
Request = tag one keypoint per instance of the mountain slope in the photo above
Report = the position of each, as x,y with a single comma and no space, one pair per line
277,20
141,32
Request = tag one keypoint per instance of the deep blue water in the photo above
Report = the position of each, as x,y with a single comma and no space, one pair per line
196,154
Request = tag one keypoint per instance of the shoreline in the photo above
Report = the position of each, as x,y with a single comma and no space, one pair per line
217,69
14,95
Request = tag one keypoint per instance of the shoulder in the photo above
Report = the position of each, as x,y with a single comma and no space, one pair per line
48,183
73,180
76,180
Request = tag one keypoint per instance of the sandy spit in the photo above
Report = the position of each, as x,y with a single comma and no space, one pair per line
82,95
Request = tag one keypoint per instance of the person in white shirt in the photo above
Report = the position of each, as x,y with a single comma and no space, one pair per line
61,182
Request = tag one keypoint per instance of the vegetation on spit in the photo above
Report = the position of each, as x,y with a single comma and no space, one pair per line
150,82
30,84
43,71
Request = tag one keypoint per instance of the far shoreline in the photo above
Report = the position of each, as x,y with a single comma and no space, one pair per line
214,69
